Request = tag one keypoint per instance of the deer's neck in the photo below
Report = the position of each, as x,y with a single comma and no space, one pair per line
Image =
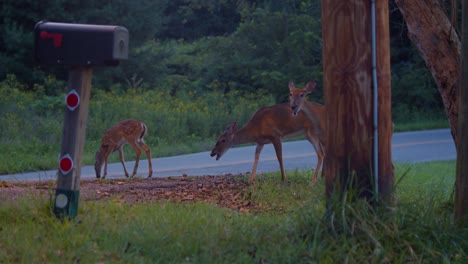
314,112
245,135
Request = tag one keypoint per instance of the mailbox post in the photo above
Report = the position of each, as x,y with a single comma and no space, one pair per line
78,47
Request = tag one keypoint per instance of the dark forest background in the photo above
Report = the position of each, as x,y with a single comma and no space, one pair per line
206,45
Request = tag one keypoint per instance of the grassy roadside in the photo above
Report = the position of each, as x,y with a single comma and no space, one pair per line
178,123
35,156
290,227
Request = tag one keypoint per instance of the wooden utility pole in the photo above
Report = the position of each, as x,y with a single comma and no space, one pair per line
461,186
348,90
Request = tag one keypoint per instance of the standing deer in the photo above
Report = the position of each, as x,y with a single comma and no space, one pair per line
125,132
314,112
269,125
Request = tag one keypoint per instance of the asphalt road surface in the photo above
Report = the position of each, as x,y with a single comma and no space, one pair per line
407,147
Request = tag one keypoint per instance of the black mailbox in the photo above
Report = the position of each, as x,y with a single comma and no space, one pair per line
80,44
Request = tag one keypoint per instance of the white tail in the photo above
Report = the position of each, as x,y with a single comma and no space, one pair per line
269,125
129,132
314,112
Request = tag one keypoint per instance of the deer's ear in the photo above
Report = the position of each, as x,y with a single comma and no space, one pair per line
310,87
291,85
232,127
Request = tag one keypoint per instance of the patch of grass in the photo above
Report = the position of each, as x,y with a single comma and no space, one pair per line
292,226
413,120
421,124
280,198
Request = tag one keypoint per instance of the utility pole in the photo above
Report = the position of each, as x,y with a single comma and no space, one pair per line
348,92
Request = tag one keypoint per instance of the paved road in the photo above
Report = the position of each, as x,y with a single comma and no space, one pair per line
420,146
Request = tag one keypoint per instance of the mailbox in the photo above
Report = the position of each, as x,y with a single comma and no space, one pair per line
80,44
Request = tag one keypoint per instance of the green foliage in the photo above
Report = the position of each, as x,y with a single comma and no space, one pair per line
193,19
186,83
179,121
290,226
143,18
415,86
193,45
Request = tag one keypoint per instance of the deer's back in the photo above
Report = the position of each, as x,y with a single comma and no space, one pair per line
122,132
278,120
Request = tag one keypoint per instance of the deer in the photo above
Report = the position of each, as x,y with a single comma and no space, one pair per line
270,124
129,132
314,112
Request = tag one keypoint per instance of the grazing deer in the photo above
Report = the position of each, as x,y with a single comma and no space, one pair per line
269,125
314,112
125,132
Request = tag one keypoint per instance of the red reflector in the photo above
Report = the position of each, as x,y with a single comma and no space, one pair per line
66,164
72,100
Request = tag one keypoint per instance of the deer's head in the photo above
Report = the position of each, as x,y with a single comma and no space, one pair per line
297,96
225,141
100,159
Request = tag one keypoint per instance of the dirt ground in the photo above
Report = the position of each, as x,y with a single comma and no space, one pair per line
225,191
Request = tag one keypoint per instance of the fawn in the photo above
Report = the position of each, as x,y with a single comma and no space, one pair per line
129,132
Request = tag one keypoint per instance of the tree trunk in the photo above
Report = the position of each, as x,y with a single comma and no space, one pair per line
430,30
461,185
348,92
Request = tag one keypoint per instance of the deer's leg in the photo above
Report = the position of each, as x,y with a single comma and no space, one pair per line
319,150
322,156
122,160
258,150
105,169
105,157
317,168
137,160
148,155
279,155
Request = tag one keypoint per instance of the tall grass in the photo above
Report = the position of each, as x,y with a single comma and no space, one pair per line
179,122
290,226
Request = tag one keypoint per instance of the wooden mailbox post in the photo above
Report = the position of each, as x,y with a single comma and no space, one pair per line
78,47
